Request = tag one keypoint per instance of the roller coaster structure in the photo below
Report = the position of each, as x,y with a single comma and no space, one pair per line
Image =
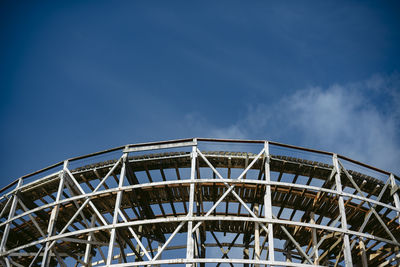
179,202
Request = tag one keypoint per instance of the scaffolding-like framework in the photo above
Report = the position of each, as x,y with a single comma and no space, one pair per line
202,202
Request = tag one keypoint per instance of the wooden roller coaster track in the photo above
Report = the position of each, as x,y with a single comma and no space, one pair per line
186,205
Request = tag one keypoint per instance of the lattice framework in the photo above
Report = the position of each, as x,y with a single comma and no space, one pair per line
183,207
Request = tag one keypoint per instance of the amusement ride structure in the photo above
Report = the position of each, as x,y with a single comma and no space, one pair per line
202,202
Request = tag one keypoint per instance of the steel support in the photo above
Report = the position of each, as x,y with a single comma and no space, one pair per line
314,240
369,214
396,199
88,251
364,259
53,217
372,209
6,232
116,209
256,236
149,201
190,240
347,250
268,203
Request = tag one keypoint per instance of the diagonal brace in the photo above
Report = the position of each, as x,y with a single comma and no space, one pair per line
371,207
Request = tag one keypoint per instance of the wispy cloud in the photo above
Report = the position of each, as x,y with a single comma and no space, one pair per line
360,120
344,119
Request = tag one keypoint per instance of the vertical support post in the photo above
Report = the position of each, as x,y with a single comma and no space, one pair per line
190,240
347,250
116,210
202,247
88,254
256,236
53,217
395,198
10,216
138,248
246,242
196,244
288,254
268,203
314,240
395,195
364,260
159,246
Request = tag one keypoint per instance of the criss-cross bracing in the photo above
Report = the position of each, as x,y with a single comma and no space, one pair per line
202,202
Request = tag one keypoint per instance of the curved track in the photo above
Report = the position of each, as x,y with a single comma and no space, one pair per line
241,208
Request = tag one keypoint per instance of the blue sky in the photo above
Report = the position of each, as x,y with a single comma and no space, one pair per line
81,76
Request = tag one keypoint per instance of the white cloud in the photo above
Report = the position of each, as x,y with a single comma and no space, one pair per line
346,121
359,120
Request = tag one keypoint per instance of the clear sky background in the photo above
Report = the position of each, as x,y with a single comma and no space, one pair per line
82,76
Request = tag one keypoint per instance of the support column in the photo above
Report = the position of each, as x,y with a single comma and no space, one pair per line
347,250
138,248
256,237
116,209
202,247
8,225
268,203
395,194
364,260
53,217
396,199
158,249
190,240
88,251
246,242
196,244
314,240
